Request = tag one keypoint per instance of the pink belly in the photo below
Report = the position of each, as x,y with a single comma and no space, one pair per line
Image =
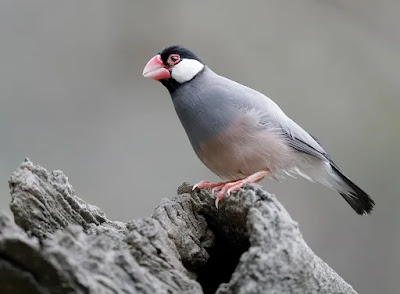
243,150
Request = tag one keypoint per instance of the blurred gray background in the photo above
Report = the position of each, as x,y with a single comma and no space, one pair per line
73,98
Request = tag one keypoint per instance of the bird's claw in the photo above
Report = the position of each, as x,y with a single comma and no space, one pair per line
229,187
219,198
216,187
200,185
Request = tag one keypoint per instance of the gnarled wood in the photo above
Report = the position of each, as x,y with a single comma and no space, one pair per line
64,245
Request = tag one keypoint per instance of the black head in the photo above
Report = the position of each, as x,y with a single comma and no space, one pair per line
174,66
179,50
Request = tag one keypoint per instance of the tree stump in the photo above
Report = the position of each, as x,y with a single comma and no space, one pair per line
61,244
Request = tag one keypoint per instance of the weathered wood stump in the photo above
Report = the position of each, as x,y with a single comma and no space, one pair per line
61,244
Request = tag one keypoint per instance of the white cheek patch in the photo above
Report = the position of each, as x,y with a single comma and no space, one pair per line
186,70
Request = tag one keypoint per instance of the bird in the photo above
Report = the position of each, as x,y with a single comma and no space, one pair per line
240,134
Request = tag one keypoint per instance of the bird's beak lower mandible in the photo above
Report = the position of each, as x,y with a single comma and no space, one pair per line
156,70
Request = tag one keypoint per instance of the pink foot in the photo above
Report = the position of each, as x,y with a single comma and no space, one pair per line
236,185
208,185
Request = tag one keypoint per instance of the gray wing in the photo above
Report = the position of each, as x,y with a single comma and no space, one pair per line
302,146
300,140
270,114
273,117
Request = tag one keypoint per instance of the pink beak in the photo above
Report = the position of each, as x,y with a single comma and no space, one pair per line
156,70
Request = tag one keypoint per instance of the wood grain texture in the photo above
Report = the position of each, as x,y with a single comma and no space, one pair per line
60,244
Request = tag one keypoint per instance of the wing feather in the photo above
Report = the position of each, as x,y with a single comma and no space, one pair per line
270,114
300,140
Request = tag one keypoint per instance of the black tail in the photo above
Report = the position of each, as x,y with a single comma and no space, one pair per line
356,197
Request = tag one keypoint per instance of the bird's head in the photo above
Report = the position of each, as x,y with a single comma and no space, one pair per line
173,66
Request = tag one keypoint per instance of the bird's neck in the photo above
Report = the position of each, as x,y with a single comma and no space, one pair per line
172,85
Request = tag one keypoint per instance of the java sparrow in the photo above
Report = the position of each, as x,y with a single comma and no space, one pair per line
242,135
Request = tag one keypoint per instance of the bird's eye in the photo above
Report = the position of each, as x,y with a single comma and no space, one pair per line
173,59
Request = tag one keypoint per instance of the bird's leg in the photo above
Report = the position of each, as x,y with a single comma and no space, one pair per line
215,187
236,185
208,185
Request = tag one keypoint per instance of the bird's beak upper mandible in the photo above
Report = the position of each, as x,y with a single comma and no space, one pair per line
156,70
